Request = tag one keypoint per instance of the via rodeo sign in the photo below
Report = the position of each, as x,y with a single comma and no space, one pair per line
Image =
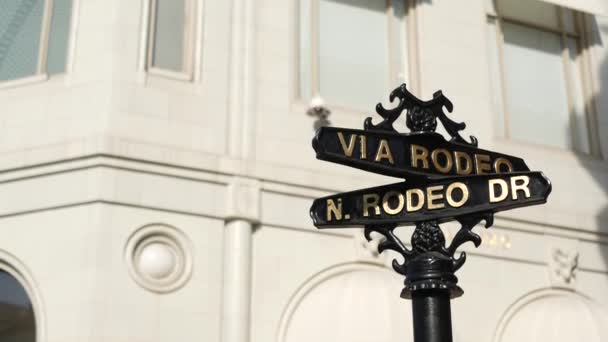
444,180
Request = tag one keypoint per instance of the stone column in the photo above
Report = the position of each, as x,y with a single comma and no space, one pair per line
243,203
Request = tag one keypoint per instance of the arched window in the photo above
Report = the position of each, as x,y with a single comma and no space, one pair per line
553,315
350,302
17,321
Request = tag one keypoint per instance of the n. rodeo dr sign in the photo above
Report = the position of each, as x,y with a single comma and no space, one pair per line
441,200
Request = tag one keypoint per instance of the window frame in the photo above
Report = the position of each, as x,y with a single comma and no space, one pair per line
41,73
579,34
19,271
189,46
410,53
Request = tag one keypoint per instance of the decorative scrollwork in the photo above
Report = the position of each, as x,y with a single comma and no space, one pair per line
390,242
429,263
428,237
421,115
563,264
465,234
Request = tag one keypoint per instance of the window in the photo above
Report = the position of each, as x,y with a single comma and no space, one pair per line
33,37
536,53
352,52
17,322
170,38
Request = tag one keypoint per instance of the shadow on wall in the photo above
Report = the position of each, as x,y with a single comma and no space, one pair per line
599,104
601,37
574,316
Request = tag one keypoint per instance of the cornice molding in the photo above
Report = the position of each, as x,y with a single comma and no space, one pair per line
249,186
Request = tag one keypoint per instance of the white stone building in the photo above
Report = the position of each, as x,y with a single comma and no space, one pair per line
156,170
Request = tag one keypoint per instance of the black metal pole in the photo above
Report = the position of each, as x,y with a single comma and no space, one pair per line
430,283
432,316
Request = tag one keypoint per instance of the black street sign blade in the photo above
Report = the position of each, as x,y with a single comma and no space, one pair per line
441,200
409,155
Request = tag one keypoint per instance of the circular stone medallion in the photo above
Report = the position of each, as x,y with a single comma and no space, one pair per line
159,258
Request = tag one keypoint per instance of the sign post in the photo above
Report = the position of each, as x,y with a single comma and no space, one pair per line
445,180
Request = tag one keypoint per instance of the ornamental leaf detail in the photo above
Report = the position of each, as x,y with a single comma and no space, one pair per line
428,237
422,115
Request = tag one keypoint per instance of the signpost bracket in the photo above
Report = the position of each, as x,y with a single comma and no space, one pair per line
428,247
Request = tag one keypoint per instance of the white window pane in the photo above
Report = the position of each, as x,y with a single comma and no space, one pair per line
581,138
169,35
20,28
399,43
495,79
59,36
530,11
305,50
535,86
353,52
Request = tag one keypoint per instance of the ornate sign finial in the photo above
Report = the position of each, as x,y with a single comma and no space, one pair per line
421,115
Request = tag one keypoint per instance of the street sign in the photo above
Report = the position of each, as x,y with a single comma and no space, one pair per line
445,180
439,200
395,154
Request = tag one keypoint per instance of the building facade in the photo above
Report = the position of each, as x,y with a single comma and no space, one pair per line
156,171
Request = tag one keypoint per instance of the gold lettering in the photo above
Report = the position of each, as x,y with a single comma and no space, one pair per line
465,194
448,160
458,156
502,161
504,190
370,201
348,150
363,146
482,163
386,202
419,153
420,200
431,195
523,186
333,209
384,152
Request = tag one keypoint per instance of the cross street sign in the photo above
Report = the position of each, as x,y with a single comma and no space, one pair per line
445,180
